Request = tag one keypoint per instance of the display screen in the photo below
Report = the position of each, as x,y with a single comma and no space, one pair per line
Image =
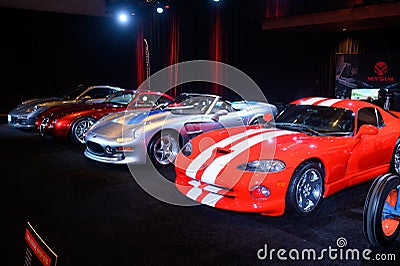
364,94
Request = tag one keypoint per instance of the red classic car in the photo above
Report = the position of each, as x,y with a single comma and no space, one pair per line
72,121
314,148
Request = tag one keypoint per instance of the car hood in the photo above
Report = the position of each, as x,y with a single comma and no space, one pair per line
240,105
263,142
65,109
29,104
255,137
112,125
40,100
36,105
54,103
231,147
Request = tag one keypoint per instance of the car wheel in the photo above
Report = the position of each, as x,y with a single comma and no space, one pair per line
79,128
380,228
395,164
164,148
305,190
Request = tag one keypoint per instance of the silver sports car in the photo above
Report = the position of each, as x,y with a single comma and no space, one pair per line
127,137
24,115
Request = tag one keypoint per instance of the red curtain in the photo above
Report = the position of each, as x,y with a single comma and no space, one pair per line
275,8
174,52
139,64
216,51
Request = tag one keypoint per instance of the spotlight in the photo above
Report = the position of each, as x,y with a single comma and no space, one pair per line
123,17
160,10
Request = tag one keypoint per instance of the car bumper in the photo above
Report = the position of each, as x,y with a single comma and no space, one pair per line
107,152
48,128
237,198
16,121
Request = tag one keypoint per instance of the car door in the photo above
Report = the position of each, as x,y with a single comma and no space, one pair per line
369,151
226,116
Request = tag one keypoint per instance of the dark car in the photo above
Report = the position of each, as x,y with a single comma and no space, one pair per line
25,114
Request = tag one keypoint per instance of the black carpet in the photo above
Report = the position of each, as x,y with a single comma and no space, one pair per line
96,214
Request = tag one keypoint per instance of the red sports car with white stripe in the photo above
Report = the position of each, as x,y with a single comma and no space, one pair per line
314,148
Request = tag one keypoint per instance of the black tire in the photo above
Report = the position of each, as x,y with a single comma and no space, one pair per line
79,128
395,163
306,189
380,232
163,148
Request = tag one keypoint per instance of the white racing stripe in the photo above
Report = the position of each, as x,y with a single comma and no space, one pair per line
194,193
211,199
212,189
329,102
195,183
212,171
312,101
195,165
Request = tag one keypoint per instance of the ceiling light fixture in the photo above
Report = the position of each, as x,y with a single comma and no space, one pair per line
160,10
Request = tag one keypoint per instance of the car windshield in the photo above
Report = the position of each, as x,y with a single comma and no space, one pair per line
316,120
175,102
121,97
194,105
144,100
72,94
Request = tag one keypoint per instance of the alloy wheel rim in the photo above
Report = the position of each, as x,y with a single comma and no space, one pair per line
389,225
166,149
309,190
397,159
81,129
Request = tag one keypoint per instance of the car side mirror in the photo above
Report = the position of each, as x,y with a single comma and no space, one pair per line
86,98
267,117
367,130
216,116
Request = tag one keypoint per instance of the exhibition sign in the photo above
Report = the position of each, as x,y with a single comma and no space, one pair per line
361,76
37,252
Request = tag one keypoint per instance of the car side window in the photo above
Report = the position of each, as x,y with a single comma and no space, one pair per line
162,99
221,105
370,116
98,93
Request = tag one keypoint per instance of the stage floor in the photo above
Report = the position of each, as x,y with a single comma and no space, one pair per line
96,214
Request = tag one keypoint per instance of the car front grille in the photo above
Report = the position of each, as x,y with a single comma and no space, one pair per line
13,120
94,147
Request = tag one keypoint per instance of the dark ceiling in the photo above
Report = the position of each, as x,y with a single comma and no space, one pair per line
287,15
79,7
382,14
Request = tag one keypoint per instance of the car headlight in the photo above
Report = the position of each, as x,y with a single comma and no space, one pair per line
124,140
136,133
263,166
187,149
